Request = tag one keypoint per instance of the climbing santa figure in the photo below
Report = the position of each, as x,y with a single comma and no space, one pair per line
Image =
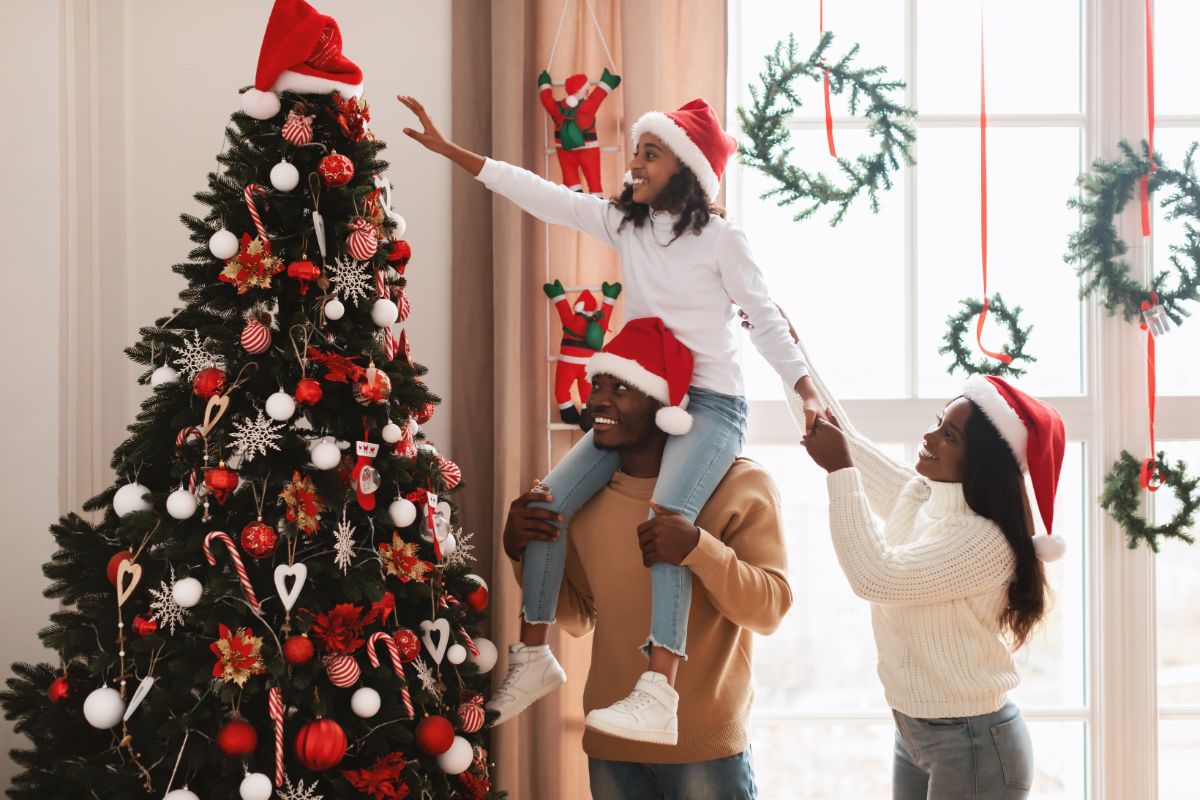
575,126
584,326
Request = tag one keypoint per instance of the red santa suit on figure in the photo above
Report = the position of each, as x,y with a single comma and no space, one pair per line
584,326
575,126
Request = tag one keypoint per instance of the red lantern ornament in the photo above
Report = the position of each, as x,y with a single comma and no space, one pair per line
321,745
372,387
60,690
434,735
363,240
336,169
143,626
298,650
114,564
237,738
305,272
220,482
309,391
399,255
256,338
259,539
408,644
209,382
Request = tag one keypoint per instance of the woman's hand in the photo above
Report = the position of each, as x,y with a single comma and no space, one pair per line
525,524
827,445
429,136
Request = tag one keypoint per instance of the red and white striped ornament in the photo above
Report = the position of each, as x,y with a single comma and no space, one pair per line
393,651
238,566
404,303
472,714
363,240
297,128
343,670
275,708
450,472
256,337
188,435
248,194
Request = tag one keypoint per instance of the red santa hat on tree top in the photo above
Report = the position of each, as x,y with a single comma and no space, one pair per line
575,86
695,136
301,52
649,358
1034,432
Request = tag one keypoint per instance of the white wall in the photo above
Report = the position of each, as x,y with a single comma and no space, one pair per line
132,100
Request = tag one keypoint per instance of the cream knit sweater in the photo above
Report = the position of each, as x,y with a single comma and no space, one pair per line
937,578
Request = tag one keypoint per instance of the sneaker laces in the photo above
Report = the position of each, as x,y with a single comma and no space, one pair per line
510,678
637,700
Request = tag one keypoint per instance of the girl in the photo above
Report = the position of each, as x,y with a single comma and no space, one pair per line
684,264
955,570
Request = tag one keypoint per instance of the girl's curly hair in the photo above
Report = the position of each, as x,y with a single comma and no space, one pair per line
682,195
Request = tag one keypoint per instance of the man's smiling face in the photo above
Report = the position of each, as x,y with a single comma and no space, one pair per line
622,416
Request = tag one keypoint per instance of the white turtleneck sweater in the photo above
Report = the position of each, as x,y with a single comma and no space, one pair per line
689,283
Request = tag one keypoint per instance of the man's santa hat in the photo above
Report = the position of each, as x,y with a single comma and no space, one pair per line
1034,432
695,136
649,358
301,52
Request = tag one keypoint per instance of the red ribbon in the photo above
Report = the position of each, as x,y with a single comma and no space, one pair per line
828,113
1149,474
983,213
1144,184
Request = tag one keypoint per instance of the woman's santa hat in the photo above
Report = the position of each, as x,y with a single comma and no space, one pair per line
1034,432
301,52
649,358
695,136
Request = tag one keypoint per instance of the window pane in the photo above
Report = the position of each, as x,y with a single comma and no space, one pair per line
821,760
1031,173
1059,759
1175,26
948,57
1177,750
1177,568
843,286
1175,351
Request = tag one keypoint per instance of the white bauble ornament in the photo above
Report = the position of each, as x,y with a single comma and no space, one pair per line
223,245
365,702
384,312
181,504
391,433
181,794
401,226
487,655
458,758
164,374
448,545
456,654
128,499
334,310
280,406
284,176
260,104
103,708
326,455
413,427
402,512
187,592
255,786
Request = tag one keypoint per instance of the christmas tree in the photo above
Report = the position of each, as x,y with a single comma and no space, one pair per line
274,601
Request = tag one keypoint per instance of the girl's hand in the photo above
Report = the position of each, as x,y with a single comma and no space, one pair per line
827,444
814,408
430,136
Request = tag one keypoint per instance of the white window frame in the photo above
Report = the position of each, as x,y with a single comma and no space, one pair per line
1122,711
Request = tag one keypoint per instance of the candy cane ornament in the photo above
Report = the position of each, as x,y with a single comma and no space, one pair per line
243,577
390,344
275,708
249,192
397,665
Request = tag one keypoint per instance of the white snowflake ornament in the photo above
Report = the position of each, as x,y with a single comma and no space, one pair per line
298,791
256,436
429,681
192,356
463,555
343,544
350,280
168,612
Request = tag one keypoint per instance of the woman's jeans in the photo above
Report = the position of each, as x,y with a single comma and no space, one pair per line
692,466
729,778
988,757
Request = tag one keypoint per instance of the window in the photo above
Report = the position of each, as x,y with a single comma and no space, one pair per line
871,298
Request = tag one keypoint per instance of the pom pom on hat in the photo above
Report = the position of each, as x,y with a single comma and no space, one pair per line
1049,548
673,420
260,104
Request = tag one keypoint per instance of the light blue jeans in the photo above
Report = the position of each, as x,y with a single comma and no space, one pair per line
988,757
692,466
729,778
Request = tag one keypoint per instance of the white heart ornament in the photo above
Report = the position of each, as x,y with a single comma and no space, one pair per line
282,573
442,626
132,571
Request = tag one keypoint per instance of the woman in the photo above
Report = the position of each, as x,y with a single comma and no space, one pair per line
954,578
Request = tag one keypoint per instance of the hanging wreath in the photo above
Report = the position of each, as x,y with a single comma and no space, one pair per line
1121,496
1096,249
1015,349
765,126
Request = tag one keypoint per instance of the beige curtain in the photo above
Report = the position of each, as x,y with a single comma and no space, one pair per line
668,52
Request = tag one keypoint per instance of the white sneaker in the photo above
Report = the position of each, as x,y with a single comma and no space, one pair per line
533,673
648,714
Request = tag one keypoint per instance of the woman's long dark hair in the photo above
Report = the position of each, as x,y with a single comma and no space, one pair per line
682,195
995,488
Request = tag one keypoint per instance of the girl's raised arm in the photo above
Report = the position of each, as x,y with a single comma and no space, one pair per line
433,139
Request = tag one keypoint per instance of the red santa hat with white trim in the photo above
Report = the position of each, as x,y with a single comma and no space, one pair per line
301,52
1034,432
648,357
695,136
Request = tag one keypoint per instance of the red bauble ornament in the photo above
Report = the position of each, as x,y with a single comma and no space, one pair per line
305,272
297,650
209,382
408,644
336,169
114,564
434,735
220,482
309,391
259,539
372,387
425,414
60,690
399,255
477,598
237,738
145,627
321,745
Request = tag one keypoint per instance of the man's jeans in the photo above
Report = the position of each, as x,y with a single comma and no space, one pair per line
729,778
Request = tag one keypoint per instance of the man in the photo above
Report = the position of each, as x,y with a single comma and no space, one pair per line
737,557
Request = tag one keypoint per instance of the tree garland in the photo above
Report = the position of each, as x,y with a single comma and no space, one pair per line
1121,497
1015,349
765,126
